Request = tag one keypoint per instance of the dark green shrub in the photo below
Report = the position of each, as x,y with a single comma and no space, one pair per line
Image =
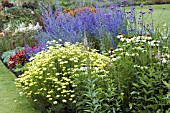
9,41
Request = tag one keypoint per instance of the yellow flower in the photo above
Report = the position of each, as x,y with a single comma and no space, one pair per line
48,96
37,93
50,92
41,72
72,96
55,102
57,74
57,96
74,85
74,101
31,84
51,65
58,89
54,68
64,101
44,69
63,87
50,99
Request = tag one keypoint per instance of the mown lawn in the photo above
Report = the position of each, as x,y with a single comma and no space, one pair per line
159,15
10,100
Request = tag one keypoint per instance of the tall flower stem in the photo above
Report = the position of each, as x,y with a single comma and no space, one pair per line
150,51
85,43
159,52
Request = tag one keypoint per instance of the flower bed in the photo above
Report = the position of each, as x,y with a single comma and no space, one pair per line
91,59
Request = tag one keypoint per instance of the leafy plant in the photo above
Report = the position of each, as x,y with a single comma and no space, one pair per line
96,95
6,55
18,59
17,34
139,66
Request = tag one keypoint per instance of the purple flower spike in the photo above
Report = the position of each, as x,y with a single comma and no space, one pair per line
141,5
151,9
121,5
107,15
163,8
123,0
133,7
143,13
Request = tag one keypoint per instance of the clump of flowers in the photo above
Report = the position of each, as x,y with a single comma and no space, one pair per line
18,59
7,4
31,51
23,28
49,77
142,45
97,25
80,10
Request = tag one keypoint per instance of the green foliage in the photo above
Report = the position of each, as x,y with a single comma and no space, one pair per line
151,95
167,84
9,41
16,14
49,78
6,55
139,66
6,43
10,21
96,96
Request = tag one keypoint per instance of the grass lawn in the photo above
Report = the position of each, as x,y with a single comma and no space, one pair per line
159,16
10,101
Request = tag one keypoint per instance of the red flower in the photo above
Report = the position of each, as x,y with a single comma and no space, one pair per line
18,58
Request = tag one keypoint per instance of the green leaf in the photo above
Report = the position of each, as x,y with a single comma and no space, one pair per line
144,83
88,111
134,92
150,91
168,101
136,85
89,103
168,85
130,105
